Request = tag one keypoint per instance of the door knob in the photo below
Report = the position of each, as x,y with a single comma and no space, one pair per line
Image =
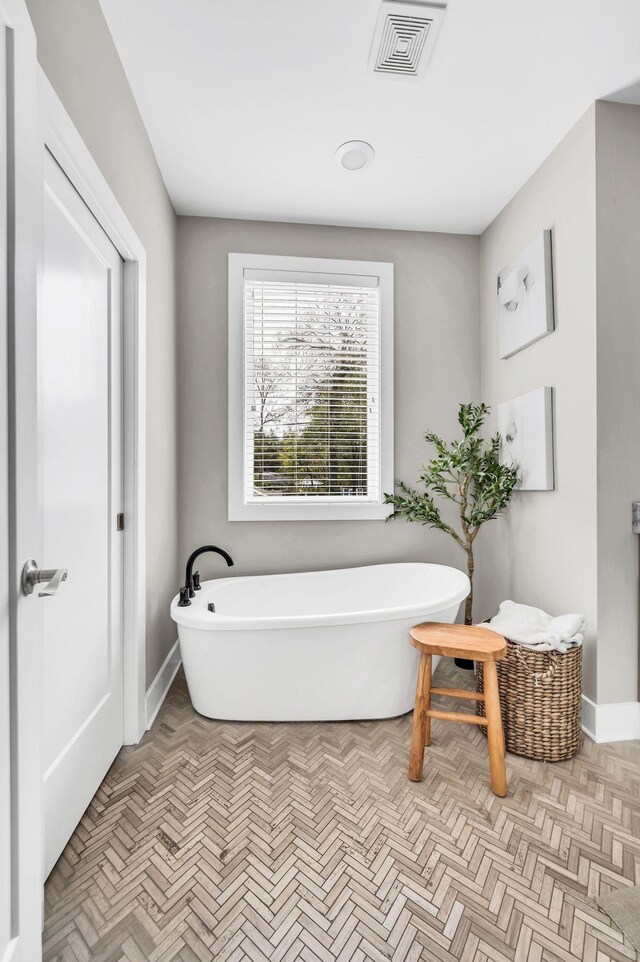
33,575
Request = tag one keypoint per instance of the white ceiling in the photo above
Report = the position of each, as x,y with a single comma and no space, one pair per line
246,102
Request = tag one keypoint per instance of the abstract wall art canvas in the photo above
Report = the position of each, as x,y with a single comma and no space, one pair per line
526,438
525,297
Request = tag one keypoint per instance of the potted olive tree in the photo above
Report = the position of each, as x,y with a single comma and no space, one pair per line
467,472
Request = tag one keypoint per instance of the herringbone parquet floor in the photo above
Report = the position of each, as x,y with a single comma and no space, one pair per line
213,840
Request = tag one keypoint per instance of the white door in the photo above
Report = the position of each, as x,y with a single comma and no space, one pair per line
80,418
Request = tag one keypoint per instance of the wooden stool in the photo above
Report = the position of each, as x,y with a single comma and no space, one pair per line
458,641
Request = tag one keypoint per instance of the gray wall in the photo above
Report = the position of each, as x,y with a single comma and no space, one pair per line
436,366
545,552
618,266
564,550
77,53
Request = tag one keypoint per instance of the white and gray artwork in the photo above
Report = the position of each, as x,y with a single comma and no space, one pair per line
525,297
525,424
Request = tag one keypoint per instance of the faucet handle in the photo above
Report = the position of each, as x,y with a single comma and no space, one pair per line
184,597
196,581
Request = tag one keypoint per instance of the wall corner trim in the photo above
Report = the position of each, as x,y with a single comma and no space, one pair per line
161,684
618,722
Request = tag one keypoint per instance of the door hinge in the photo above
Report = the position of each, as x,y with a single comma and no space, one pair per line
120,522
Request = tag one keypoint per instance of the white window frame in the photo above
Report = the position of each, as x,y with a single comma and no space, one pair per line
239,509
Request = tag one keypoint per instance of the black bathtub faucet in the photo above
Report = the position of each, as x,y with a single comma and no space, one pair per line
192,578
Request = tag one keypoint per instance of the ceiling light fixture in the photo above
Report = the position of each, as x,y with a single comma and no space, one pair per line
355,154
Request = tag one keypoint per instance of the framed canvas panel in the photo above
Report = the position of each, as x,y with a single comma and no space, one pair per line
526,438
525,297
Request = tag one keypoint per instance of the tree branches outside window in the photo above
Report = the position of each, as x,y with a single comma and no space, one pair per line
310,401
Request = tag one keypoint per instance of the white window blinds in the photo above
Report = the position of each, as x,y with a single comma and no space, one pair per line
311,388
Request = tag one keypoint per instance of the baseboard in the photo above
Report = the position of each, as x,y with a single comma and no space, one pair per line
161,684
611,723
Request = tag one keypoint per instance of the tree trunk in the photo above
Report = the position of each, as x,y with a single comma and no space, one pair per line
468,607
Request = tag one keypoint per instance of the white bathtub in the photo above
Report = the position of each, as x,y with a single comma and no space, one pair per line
324,645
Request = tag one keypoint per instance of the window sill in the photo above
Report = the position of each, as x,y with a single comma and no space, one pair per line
309,512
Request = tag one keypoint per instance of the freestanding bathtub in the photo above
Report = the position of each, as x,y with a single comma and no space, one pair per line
319,646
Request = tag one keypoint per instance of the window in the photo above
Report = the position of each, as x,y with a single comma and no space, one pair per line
310,388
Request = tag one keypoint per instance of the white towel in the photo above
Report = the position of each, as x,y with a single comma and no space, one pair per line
534,628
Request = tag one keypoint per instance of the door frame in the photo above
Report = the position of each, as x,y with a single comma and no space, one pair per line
62,139
23,508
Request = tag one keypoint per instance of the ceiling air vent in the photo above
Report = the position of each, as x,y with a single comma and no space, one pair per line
404,37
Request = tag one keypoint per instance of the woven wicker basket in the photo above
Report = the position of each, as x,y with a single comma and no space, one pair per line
540,697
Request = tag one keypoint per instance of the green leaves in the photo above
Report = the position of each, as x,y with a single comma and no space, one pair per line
467,472
416,507
471,417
